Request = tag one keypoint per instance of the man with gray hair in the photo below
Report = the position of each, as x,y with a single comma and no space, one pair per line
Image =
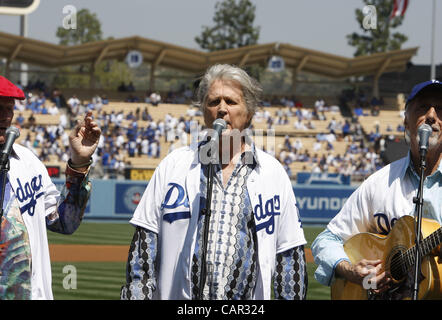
254,230
386,196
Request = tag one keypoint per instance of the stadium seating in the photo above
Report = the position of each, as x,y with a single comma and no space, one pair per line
260,127
385,119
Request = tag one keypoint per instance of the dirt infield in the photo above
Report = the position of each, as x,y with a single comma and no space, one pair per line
102,253
88,253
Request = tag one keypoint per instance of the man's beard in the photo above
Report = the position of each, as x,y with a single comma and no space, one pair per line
433,140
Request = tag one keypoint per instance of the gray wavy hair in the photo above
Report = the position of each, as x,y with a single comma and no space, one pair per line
251,89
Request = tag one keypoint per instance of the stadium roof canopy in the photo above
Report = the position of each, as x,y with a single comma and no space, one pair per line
17,48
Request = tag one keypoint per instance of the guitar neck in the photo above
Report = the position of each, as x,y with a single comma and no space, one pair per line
426,246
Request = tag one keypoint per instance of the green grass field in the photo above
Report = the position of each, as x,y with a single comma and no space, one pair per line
103,280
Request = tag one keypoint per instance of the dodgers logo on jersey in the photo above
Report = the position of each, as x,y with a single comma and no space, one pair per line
176,197
29,190
384,226
267,212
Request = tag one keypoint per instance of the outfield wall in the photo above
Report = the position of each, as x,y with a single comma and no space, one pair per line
116,200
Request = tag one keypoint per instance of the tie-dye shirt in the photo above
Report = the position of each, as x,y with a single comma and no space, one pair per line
15,252
24,252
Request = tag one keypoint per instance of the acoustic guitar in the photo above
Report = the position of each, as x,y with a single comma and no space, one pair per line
397,251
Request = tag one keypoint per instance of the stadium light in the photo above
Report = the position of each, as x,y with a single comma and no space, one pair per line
18,7
276,64
134,59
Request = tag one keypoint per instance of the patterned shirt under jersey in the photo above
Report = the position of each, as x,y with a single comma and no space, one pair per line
232,244
15,250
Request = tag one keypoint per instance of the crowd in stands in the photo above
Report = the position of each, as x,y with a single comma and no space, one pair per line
358,160
123,138
287,110
182,96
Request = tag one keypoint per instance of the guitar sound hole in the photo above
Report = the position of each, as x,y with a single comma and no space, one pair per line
397,271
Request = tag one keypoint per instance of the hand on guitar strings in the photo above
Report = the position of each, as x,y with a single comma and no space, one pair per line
368,273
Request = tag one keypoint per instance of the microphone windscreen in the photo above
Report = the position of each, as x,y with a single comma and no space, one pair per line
424,132
219,123
13,130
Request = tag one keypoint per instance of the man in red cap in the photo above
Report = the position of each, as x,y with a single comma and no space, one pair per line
32,204
8,93
10,90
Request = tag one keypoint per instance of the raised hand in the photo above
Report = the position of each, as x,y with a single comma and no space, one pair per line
83,139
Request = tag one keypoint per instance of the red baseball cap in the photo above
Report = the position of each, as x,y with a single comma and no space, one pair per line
10,90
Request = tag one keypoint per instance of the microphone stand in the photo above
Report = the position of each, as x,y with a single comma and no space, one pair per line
207,211
419,201
3,174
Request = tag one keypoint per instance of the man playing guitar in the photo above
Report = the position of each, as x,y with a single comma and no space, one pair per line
386,196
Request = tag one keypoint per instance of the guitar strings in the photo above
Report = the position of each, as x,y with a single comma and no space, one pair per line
402,265
410,253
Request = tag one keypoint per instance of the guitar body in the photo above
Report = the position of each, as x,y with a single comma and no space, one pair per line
373,246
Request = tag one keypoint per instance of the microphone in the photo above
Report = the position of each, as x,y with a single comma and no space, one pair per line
12,133
210,151
218,125
424,132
